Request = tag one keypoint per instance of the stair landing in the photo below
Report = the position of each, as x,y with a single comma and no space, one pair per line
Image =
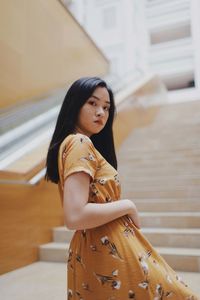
47,280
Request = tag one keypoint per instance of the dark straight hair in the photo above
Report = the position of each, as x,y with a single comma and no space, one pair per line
76,97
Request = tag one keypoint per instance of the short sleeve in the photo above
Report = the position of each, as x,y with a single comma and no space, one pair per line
79,155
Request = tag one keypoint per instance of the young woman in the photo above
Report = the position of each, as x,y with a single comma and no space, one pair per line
109,258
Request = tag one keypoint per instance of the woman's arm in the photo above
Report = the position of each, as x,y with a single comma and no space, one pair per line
79,214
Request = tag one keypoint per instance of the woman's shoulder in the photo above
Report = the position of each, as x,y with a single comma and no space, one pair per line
76,137
76,140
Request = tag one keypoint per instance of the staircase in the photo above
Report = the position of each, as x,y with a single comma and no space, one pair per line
159,166
164,182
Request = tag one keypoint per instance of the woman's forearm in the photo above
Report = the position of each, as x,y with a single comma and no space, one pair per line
97,214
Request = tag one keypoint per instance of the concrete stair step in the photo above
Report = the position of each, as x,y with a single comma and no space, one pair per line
166,187
152,132
151,193
170,219
157,153
173,141
160,171
62,234
175,182
187,259
170,205
159,160
55,252
162,162
173,237
148,144
158,135
147,175
170,146
181,259
188,151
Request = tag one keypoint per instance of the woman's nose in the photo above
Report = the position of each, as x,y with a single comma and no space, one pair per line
100,111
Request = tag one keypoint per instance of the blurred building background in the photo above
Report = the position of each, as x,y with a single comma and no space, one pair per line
146,36
149,53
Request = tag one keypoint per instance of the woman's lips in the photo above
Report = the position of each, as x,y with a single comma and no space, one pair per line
98,122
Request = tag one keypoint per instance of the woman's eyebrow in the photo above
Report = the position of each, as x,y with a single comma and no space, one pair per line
99,98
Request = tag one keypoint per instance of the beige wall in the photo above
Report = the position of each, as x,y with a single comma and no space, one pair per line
28,214
42,48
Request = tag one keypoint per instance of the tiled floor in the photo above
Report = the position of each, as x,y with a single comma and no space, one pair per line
47,281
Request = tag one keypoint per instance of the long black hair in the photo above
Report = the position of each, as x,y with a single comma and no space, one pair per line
76,97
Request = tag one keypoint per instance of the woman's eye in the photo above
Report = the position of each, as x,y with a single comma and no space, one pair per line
92,103
107,108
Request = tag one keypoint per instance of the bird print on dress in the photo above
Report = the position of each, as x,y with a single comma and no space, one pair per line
131,295
101,181
94,248
143,259
94,191
86,287
89,157
169,294
116,179
155,263
83,233
112,247
80,297
109,279
69,264
160,294
168,278
79,259
108,199
180,280
69,294
129,230
144,264
144,284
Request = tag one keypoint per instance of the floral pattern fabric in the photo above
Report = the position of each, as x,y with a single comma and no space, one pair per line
113,261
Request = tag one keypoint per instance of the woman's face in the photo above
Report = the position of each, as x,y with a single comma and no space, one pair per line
94,113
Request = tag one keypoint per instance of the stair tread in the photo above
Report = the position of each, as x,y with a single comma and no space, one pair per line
171,230
151,229
54,245
168,200
171,214
63,228
178,251
163,250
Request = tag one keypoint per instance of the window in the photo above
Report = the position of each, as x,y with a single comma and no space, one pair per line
109,17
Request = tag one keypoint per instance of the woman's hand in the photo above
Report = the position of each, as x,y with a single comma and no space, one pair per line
134,215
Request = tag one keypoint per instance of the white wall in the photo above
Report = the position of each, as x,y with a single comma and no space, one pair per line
117,27
141,36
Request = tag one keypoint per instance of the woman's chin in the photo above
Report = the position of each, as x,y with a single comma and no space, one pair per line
96,131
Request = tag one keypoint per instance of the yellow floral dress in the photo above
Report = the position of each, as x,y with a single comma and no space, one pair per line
113,261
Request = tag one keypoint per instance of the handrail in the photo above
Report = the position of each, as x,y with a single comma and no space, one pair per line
130,89
31,182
